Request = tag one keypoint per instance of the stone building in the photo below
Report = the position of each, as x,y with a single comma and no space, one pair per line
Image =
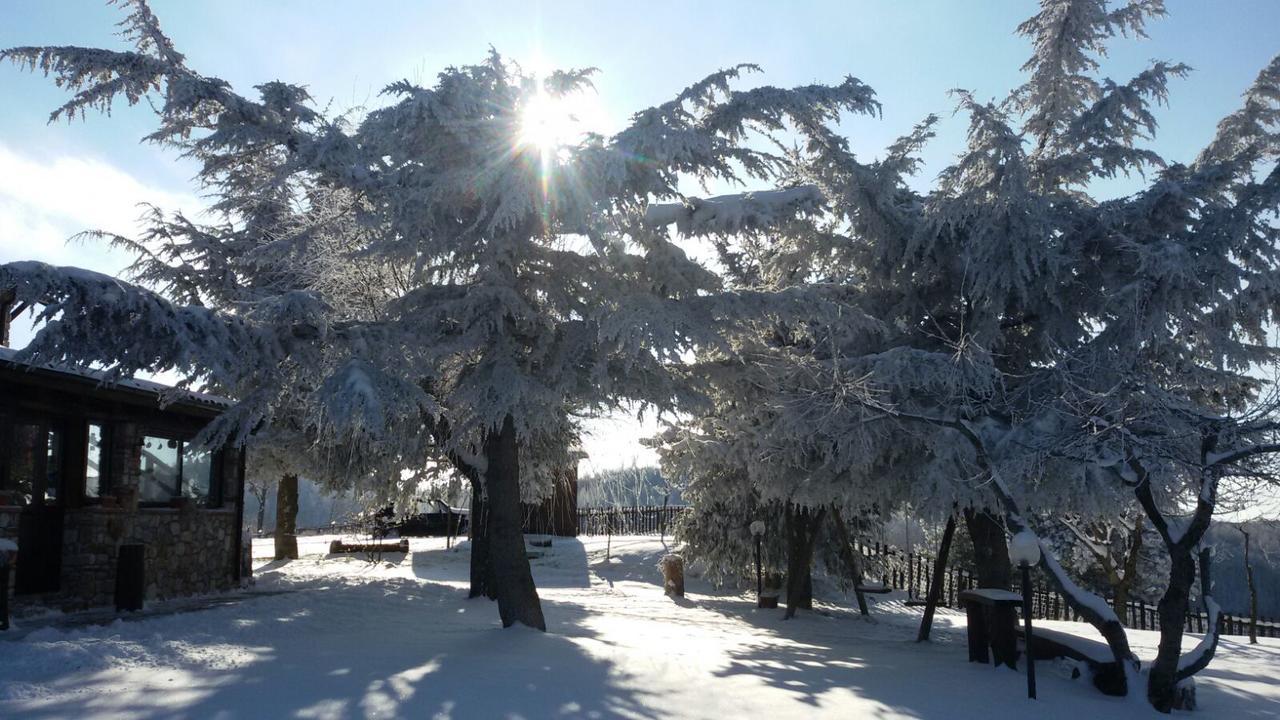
87,467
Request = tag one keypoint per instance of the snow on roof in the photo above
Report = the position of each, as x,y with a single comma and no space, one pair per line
168,393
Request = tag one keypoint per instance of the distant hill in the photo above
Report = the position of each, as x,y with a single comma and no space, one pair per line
627,487
1230,587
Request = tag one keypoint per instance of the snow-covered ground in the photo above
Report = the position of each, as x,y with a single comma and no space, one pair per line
399,639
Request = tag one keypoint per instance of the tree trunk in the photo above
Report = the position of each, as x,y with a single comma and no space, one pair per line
261,496
991,560
1120,600
1123,584
517,596
482,582
1253,591
287,517
850,557
1172,611
935,583
802,531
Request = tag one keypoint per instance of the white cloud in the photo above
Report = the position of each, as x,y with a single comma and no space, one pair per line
45,201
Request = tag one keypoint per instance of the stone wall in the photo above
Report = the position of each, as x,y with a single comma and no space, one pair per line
188,552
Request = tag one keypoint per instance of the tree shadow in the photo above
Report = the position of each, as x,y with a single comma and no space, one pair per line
392,648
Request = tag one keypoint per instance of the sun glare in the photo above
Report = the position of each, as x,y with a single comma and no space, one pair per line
550,122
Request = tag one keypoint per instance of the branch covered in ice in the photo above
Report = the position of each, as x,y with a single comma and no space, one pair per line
730,214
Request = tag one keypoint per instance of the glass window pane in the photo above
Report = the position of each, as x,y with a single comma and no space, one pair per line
53,467
95,463
158,470
28,444
197,464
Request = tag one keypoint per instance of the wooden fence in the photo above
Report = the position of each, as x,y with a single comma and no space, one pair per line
646,520
912,572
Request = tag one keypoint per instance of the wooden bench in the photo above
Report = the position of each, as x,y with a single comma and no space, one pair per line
982,639
1107,674
399,546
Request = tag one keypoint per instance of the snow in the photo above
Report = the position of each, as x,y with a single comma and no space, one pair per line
992,594
352,639
161,391
1095,651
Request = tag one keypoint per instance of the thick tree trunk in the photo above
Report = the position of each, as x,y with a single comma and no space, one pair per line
1172,611
991,560
482,582
935,583
517,596
1162,683
287,517
802,531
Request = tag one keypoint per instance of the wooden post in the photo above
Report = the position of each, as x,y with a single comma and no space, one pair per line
939,577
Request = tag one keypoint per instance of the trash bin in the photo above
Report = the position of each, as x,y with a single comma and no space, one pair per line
131,579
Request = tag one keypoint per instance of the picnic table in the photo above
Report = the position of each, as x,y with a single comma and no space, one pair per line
981,603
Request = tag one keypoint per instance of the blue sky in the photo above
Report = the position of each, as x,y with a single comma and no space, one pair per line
55,180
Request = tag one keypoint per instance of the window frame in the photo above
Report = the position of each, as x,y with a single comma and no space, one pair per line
106,478
211,501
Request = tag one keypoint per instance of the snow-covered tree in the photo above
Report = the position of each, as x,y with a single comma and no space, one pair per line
1036,349
527,288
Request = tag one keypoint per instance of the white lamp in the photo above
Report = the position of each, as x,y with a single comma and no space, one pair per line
757,527
1024,549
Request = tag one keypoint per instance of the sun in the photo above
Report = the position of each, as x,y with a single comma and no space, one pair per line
550,123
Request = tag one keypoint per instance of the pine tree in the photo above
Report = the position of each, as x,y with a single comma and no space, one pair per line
1008,340
515,287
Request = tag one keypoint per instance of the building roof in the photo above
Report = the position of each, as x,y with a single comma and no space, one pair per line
164,395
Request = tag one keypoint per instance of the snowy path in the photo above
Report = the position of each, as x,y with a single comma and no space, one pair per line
400,639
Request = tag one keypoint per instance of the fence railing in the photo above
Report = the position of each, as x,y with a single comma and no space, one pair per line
912,572
639,520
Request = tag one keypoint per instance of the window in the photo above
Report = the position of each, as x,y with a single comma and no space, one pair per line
24,461
35,464
174,468
95,462
197,473
52,467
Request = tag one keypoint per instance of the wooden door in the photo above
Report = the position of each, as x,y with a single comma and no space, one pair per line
36,468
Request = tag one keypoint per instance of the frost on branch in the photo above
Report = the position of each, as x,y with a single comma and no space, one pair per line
731,214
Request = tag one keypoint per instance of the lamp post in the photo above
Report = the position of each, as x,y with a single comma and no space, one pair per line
1024,551
757,531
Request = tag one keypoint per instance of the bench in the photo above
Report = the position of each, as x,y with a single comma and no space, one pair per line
1107,674
399,546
